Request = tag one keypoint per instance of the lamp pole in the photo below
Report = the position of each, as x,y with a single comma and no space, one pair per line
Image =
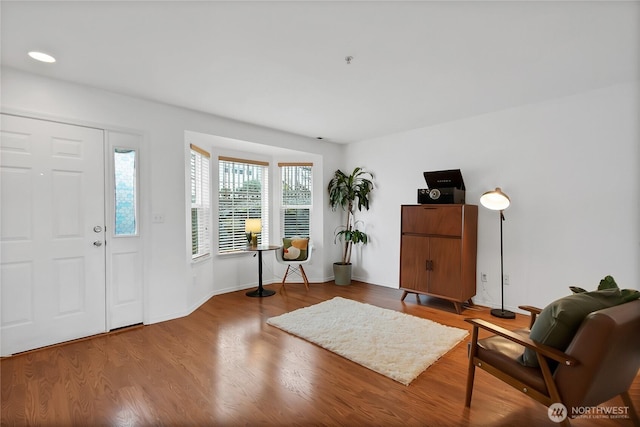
502,313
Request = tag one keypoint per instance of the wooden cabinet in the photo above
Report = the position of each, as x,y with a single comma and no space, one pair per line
438,251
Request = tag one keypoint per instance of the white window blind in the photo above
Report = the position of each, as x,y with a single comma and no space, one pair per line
243,193
200,203
296,205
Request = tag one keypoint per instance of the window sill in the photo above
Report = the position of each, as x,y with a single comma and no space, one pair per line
234,254
200,259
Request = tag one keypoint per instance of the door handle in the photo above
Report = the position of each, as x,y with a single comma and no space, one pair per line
97,243
97,229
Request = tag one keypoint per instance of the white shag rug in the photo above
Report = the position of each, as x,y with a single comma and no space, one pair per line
394,344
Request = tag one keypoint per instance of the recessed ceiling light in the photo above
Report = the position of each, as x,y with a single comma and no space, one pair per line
42,57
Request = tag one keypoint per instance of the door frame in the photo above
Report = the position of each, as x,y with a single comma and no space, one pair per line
143,190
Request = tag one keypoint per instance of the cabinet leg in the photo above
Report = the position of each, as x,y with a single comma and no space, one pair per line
458,307
404,295
470,302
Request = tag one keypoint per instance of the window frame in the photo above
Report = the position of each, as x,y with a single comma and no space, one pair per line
284,206
235,171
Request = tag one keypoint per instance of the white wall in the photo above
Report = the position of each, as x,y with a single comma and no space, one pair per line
571,167
167,270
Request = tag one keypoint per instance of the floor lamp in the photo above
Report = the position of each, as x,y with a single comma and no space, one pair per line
496,200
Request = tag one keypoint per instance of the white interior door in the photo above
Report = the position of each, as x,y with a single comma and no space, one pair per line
52,215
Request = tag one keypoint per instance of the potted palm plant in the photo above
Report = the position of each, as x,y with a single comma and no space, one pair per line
349,192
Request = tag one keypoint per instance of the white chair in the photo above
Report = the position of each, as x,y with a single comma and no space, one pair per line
294,266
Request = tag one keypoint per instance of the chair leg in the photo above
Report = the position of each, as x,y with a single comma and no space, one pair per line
552,389
633,415
304,277
285,274
471,372
285,277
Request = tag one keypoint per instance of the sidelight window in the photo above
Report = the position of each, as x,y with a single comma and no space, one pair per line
124,161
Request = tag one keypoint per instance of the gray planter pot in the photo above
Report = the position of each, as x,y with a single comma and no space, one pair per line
342,273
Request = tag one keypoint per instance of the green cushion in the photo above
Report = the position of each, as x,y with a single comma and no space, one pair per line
609,283
295,248
626,294
559,321
629,294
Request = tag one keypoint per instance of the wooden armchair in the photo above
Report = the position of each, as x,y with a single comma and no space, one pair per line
600,363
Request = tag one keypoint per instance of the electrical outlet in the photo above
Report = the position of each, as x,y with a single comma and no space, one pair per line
506,279
483,277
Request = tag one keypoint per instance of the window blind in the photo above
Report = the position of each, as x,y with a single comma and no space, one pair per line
242,193
200,203
296,205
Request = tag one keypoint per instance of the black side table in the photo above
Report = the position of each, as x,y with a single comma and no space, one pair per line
261,292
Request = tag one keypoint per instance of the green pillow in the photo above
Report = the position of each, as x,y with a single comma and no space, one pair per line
559,321
295,248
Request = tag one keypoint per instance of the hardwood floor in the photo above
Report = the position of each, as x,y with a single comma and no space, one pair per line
223,365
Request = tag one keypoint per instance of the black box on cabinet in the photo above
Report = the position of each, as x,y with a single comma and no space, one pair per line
445,187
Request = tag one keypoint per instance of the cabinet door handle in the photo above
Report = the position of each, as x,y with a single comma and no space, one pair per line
429,265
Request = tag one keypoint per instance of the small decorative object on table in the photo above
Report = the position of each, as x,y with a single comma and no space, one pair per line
252,226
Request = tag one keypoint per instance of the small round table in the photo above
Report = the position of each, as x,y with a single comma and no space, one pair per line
261,292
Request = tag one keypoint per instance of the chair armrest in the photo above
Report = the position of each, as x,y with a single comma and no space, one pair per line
530,309
534,312
545,350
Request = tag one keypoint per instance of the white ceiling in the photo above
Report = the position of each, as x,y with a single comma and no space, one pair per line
282,64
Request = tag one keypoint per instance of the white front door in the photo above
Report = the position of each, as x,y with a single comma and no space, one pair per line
52,215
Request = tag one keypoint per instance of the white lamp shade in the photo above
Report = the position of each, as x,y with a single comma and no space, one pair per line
495,200
253,225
